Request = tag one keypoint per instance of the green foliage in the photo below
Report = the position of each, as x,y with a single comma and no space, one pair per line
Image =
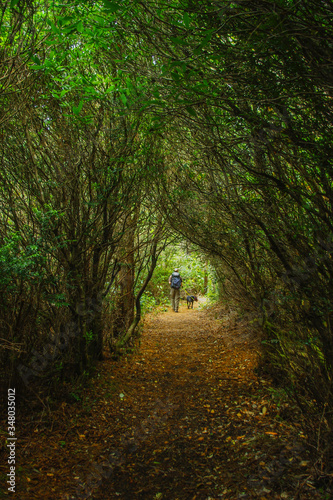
20,261
192,267
89,336
57,300
148,302
215,115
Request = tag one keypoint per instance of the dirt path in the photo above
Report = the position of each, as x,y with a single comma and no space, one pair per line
184,417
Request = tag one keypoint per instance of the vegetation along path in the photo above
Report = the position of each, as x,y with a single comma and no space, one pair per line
184,417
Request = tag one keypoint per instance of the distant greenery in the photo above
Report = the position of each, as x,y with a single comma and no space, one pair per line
193,268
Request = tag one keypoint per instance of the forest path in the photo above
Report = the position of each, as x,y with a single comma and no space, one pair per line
184,417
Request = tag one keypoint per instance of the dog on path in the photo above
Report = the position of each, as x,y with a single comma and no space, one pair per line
190,300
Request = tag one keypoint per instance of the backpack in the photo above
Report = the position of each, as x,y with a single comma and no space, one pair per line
176,280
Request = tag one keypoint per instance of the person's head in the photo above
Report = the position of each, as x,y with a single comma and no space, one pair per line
176,269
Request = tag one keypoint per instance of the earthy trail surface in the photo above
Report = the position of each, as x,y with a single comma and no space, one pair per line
184,417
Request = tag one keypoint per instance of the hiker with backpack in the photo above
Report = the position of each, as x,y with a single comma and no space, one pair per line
175,281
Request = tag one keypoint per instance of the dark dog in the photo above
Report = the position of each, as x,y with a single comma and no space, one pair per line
190,299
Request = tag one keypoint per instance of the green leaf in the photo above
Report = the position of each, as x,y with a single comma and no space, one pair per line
207,39
111,6
177,41
123,98
79,27
129,84
175,76
186,19
204,42
13,3
53,27
77,110
191,111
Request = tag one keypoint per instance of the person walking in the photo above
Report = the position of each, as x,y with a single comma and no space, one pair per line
175,281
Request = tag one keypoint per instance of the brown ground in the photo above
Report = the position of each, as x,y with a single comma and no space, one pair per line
185,417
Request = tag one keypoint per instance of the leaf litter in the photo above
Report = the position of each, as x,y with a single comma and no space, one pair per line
185,417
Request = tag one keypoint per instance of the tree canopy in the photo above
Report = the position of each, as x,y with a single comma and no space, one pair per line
128,126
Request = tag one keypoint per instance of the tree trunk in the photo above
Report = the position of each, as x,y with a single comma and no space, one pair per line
126,276
130,331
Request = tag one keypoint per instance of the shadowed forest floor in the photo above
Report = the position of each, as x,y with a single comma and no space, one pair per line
184,417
